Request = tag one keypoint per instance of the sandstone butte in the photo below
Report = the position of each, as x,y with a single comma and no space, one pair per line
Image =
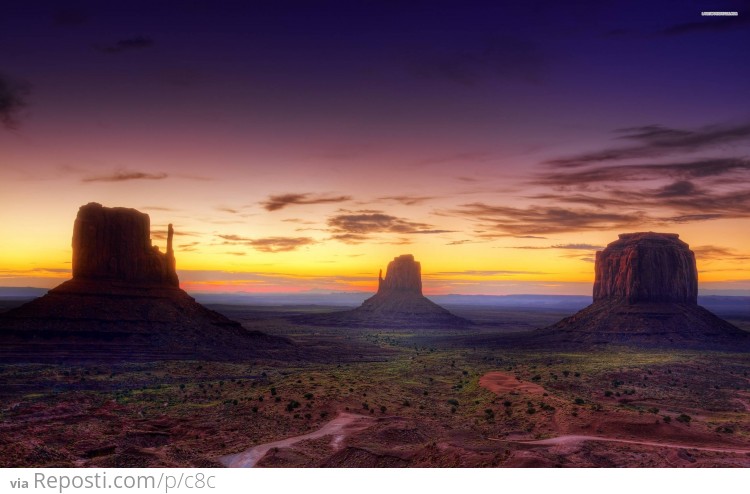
398,303
645,293
124,303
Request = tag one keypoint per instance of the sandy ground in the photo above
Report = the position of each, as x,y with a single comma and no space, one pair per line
575,439
340,427
502,382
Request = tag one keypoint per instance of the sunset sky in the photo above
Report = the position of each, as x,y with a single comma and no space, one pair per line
301,145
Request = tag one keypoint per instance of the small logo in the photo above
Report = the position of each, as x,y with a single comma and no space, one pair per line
726,14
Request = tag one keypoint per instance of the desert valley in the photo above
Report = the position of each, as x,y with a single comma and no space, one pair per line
118,367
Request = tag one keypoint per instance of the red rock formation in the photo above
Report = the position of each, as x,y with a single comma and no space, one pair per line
647,267
645,293
398,303
403,274
123,303
115,244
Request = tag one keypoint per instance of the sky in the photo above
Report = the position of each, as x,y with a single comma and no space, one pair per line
300,145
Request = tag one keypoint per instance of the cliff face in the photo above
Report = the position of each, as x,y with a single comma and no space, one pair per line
403,274
115,244
645,294
646,267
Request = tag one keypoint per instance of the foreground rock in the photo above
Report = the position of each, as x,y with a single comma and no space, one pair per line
123,303
398,303
645,293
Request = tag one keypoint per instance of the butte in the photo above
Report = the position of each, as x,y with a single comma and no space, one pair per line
124,303
645,294
398,303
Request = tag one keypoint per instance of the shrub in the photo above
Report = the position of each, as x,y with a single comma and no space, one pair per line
579,401
292,405
684,418
536,378
608,393
308,396
453,402
273,391
667,419
507,403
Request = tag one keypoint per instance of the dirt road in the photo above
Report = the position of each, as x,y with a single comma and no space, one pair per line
340,427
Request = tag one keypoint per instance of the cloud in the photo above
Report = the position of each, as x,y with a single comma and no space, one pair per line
483,273
276,202
544,220
560,246
128,44
407,200
699,169
714,252
13,95
501,56
123,176
354,227
268,244
653,141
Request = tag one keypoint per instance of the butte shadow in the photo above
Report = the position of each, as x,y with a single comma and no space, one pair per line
646,295
124,303
398,303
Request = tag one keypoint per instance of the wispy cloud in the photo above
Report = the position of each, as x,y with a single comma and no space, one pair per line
407,200
673,192
276,202
128,44
268,244
483,273
123,176
13,94
651,141
355,226
544,220
559,246
719,253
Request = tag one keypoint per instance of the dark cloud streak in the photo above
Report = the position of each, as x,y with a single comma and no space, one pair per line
654,141
124,176
277,202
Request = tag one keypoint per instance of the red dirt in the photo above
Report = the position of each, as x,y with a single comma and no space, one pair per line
502,382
